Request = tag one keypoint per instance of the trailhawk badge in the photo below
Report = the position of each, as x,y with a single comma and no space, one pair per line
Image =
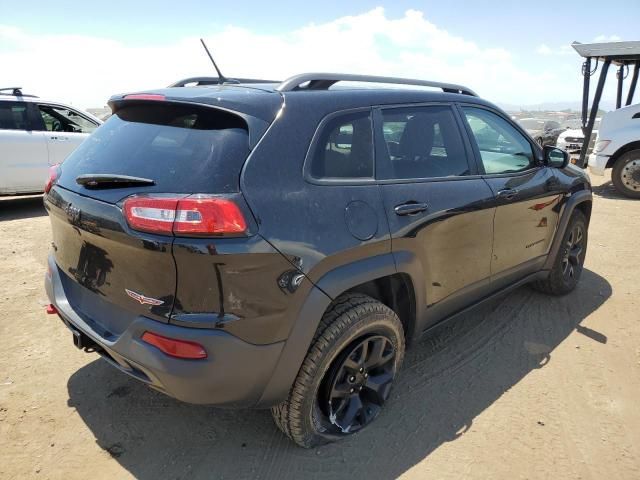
142,299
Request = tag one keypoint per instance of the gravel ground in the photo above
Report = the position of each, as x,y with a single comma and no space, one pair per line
526,387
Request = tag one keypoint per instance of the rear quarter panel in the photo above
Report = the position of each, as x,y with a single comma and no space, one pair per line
307,222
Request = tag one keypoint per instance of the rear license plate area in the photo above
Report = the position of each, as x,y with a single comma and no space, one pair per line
82,341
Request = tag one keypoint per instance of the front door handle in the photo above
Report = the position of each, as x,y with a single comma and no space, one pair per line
410,208
507,193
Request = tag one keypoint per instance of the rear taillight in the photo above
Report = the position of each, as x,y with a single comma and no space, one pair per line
175,348
194,215
54,173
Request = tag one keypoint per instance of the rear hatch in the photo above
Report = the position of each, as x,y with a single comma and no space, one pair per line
112,269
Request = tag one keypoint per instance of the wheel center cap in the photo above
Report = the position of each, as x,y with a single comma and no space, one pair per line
360,378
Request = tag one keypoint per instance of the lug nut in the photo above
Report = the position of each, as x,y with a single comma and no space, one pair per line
366,375
352,379
361,369
351,391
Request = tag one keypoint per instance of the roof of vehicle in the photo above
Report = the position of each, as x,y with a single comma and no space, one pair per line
34,99
264,100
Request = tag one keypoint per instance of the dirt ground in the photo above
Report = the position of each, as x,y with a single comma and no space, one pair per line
526,387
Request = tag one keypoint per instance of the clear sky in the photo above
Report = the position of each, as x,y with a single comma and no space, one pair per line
508,51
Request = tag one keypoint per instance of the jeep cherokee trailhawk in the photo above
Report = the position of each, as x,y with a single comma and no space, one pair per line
279,244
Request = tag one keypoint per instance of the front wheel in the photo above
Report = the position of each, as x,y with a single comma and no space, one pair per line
568,265
347,374
626,174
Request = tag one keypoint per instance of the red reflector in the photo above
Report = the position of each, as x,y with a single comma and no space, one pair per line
175,348
194,215
145,96
54,173
51,309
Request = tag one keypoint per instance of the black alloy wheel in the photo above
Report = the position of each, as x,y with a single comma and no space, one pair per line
573,248
359,383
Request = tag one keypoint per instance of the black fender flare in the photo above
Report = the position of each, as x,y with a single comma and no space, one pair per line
570,205
327,289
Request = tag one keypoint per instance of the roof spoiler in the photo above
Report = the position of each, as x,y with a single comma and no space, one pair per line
200,81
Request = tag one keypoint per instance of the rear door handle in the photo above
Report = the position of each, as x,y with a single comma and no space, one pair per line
410,208
507,193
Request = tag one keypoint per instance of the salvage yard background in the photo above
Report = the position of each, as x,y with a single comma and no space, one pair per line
526,387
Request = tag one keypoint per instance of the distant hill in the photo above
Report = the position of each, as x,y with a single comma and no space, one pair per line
553,106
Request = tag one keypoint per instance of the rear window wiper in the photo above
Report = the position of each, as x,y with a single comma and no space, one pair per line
110,180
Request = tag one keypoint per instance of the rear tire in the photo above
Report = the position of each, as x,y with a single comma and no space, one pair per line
340,388
568,265
626,174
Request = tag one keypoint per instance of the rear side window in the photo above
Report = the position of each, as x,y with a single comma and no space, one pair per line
422,142
184,149
13,116
344,148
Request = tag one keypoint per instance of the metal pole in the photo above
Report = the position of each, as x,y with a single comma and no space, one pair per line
594,111
586,73
619,92
634,82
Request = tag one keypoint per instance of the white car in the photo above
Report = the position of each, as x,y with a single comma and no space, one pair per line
572,138
35,134
618,147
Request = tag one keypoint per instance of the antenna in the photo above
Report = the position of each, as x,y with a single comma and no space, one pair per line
221,78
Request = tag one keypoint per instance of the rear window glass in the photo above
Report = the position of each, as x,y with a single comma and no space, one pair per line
184,149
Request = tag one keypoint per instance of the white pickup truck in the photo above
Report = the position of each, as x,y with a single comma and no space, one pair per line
35,134
618,147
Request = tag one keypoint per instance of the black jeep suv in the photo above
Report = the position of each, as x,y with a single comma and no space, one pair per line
278,244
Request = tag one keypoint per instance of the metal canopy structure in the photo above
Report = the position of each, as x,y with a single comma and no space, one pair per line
624,55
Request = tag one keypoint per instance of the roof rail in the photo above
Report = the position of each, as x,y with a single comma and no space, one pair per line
199,81
15,92
322,81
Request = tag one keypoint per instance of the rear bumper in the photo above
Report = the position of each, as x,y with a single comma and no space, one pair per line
234,373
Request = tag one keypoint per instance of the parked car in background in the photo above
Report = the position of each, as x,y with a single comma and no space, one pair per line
226,250
35,134
544,132
617,146
572,138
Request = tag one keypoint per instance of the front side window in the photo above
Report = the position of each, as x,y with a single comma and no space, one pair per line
503,149
59,119
13,116
422,142
345,148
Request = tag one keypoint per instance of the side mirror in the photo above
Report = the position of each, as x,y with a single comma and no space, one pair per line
555,157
